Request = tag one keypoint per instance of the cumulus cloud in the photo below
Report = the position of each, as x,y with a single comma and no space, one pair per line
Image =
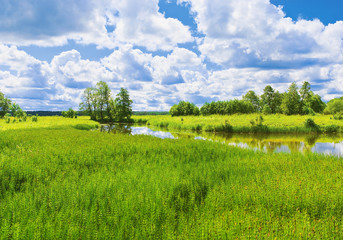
52,23
250,44
256,33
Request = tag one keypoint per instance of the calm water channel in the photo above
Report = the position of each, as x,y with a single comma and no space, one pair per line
327,144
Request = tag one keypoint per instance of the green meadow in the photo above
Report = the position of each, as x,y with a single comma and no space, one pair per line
245,123
61,180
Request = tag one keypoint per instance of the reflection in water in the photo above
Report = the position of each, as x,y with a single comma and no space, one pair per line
332,145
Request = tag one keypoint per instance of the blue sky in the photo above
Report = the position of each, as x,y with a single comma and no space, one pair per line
168,50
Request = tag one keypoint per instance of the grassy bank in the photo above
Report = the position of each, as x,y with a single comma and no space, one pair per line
243,123
49,122
63,183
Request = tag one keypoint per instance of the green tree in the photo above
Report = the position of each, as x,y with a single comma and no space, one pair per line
251,96
69,114
184,109
291,103
89,102
272,99
334,106
15,108
104,97
123,106
309,101
317,104
5,105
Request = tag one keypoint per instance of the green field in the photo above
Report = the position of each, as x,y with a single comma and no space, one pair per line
59,182
277,123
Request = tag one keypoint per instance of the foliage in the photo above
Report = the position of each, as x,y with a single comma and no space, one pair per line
266,110
99,104
184,109
309,123
251,96
69,114
334,106
277,123
123,106
5,105
62,183
272,99
34,118
291,104
227,107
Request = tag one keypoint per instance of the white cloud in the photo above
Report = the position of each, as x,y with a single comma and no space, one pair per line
256,33
252,42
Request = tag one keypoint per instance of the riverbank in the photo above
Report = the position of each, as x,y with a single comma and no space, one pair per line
63,183
246,123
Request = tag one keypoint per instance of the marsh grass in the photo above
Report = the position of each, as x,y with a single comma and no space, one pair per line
63,183
241,123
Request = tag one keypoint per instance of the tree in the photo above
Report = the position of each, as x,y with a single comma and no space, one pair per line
184,109
89,102
334,106
310,102
254,99
104,97
15,108
123,106
272,99
69,114
317,104
5,104
291,103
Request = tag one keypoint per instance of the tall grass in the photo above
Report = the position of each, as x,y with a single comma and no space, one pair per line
63,183
57,122
241,123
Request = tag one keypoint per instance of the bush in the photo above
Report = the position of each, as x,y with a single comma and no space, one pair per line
86,127
331,129
266,110
35,118
309,123
184,109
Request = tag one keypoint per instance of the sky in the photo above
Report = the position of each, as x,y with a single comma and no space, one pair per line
167,51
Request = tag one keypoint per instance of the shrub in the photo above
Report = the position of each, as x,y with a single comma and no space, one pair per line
266,110
331,129
35,118
86,127
309,123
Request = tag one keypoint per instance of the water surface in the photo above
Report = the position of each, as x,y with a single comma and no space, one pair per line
326,144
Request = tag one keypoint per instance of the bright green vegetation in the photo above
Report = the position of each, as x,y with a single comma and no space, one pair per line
245,123
49,123
98,103
57,182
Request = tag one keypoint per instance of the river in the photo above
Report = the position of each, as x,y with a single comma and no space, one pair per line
304,143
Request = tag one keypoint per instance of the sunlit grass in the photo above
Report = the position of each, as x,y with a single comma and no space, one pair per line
240,123
47,122
64,183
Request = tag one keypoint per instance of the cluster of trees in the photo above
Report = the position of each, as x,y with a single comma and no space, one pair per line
69,114
7,108
227,107
98,103
184,109
5,105
334,106
294,101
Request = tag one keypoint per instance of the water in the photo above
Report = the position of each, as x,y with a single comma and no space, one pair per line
331,145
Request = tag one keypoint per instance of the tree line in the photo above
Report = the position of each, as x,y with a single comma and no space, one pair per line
98,103
294,101
8,109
